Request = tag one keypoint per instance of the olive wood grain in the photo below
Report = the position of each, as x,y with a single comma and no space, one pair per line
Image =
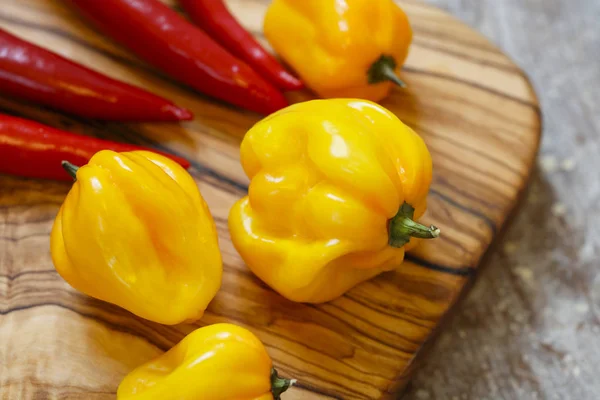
472,105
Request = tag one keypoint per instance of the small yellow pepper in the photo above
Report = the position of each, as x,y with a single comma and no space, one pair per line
335,185
135,231
341,48
216,362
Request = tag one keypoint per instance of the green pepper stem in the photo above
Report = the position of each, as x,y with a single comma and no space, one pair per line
384,70
402,228
388,72
70,168
279,385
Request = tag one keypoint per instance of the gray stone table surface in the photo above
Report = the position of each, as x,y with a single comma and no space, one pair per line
530,326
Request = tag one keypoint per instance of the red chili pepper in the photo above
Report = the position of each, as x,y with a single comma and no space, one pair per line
31,73
214,18
166,40
33,150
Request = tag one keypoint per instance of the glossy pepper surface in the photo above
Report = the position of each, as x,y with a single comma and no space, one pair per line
135,231
32,73
168,41
33,150
216,362
214,17
341,48
335,186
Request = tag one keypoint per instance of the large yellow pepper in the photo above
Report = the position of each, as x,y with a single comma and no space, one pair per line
341,48
335,187
135,231
216,362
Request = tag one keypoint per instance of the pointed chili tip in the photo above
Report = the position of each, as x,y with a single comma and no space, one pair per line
70,168
179,113
289,81
276,102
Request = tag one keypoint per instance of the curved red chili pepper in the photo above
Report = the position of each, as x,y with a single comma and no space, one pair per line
33,150
31,73
214,18
168,41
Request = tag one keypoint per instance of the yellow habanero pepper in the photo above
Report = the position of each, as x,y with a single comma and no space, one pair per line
341,48
216,362
135,231
335,185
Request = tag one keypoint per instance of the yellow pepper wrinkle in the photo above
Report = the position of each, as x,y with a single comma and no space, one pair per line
335,186
341,48
216,362
135,231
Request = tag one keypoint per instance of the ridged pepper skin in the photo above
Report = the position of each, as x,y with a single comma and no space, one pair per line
341,48
216,362
135,231
334,187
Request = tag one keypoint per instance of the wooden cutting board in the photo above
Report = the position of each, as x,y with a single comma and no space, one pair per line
475,109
